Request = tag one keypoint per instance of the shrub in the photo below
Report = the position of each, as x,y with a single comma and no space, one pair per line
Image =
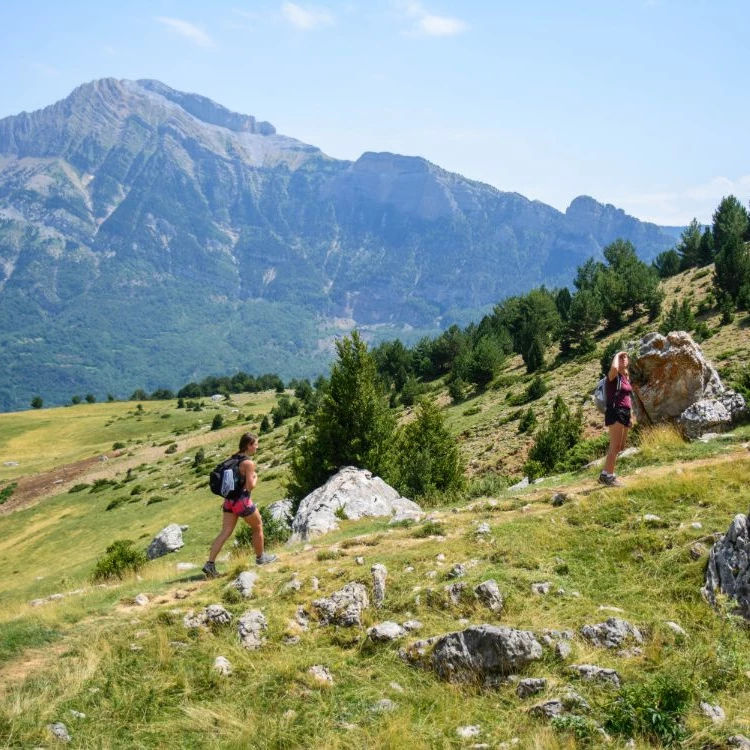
37,402
200,457
584,452
117,446
653,709
156,499
7,491
527,423
265,425
79,487
115,503
554,441
172,448
429,528
274,532
102,484
218,422
471,411
537,388
119,560
328,554
487,485
456,390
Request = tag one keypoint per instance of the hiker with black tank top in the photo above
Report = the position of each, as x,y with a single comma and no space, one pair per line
618,417
241,506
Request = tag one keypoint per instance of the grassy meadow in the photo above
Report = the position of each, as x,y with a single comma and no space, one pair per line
119,675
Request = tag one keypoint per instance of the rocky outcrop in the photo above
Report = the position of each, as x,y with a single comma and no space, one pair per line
352,494
673,382
611,634
728,568
169,539
343,607
484,652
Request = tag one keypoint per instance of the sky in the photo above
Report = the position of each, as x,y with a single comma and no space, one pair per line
639,103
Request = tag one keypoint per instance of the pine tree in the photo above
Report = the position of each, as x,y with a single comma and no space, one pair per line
689,246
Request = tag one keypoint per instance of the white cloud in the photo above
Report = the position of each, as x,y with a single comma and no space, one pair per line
425,23
187,30
307,18
681,207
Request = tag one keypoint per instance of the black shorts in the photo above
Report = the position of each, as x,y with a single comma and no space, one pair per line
618,414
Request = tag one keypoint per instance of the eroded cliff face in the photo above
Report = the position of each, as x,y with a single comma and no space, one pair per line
132,213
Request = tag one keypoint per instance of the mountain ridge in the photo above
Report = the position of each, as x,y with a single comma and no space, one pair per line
140,225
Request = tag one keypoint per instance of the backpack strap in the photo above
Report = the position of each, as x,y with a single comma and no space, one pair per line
617,391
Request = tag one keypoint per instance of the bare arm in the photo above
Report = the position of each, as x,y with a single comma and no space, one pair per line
247,469
614,367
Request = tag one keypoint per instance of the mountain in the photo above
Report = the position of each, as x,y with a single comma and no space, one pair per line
149,237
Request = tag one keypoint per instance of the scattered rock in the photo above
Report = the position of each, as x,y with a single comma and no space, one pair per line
412,625
698,550
696,525
457,571
77,714
343,607
558,499
216,615
321,675
60,732
715,713
454,591
440,557
181,594
222,666
354,492
483,528
650,519
386,631
676,629
612,633
540,589
530,686
314,583
395,686
522,485
293,585
359,560
245,583
141,600
592,673
728,568
169,539
489,594
484,651
379,574
563,649
250,628
548,709
740,741
384,706
467,732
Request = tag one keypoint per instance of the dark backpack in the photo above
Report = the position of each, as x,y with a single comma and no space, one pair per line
225,479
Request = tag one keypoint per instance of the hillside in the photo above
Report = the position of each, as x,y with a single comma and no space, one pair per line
143,680
147,236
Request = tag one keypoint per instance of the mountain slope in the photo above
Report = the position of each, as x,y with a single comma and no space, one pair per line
149,237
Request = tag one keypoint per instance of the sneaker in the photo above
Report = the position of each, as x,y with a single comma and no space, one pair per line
209,570
265,559
615,482
604,478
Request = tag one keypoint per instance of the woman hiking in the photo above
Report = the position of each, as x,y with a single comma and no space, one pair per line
241,507
618,416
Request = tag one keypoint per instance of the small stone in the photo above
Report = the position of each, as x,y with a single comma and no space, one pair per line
466,733
457,571
359,560
483,528
440,557
740,741
526,508
540,589
60,731
715,713
652,519
563,650
396,687
77,714
141,600
409,569
676,629
321,675
698,550
697,525
181,594
222,666
530,686
558,499
385,631
314,583
412,625
384,705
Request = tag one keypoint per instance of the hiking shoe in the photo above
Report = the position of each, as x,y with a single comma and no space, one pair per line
265,559
604,478
614,481
209,570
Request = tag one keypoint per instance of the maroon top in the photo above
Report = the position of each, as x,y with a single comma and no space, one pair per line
622,400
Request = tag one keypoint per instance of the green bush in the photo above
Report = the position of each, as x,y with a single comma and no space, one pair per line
119,560
652,709
487,485
156,499
553,441
274,532
527,423
117,446
102,484
584,452
429,528
537,388
7,491
457,389
471,411
79,487
217,422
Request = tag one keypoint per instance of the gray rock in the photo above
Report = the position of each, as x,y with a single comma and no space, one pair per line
592,673
292,585
216,615
222,666
385,631
558,499
484,651
715,713
489,594
250,629
740,741
245,583
540,589
483,528
385,705
467,732
522,485
321,674
77,714
192,620
60,732
141,600
548,709
454,591
697,550
343,607
457,571
379,574
406,515
281,511
169,539
412,625
563,649
676,629
612,633
530,686
728,568
354,492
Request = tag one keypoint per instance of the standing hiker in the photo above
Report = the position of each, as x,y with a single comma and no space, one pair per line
618,418
241,506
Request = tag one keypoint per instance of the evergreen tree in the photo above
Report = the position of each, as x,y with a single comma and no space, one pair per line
485,361
732,267
352,425
427,459
667,264
534,357
37,402
706,253
585,317
563,300
689,246
730,222
556,438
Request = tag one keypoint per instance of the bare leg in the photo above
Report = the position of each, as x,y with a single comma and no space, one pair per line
624,438
255,522
228,522
616,441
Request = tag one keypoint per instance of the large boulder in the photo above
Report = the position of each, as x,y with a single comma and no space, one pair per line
728,568
169,539
352,494
673,382
484,652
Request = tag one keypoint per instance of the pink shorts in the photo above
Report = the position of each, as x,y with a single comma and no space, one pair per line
241,506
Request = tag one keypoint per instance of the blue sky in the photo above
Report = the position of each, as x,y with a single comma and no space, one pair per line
639,103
